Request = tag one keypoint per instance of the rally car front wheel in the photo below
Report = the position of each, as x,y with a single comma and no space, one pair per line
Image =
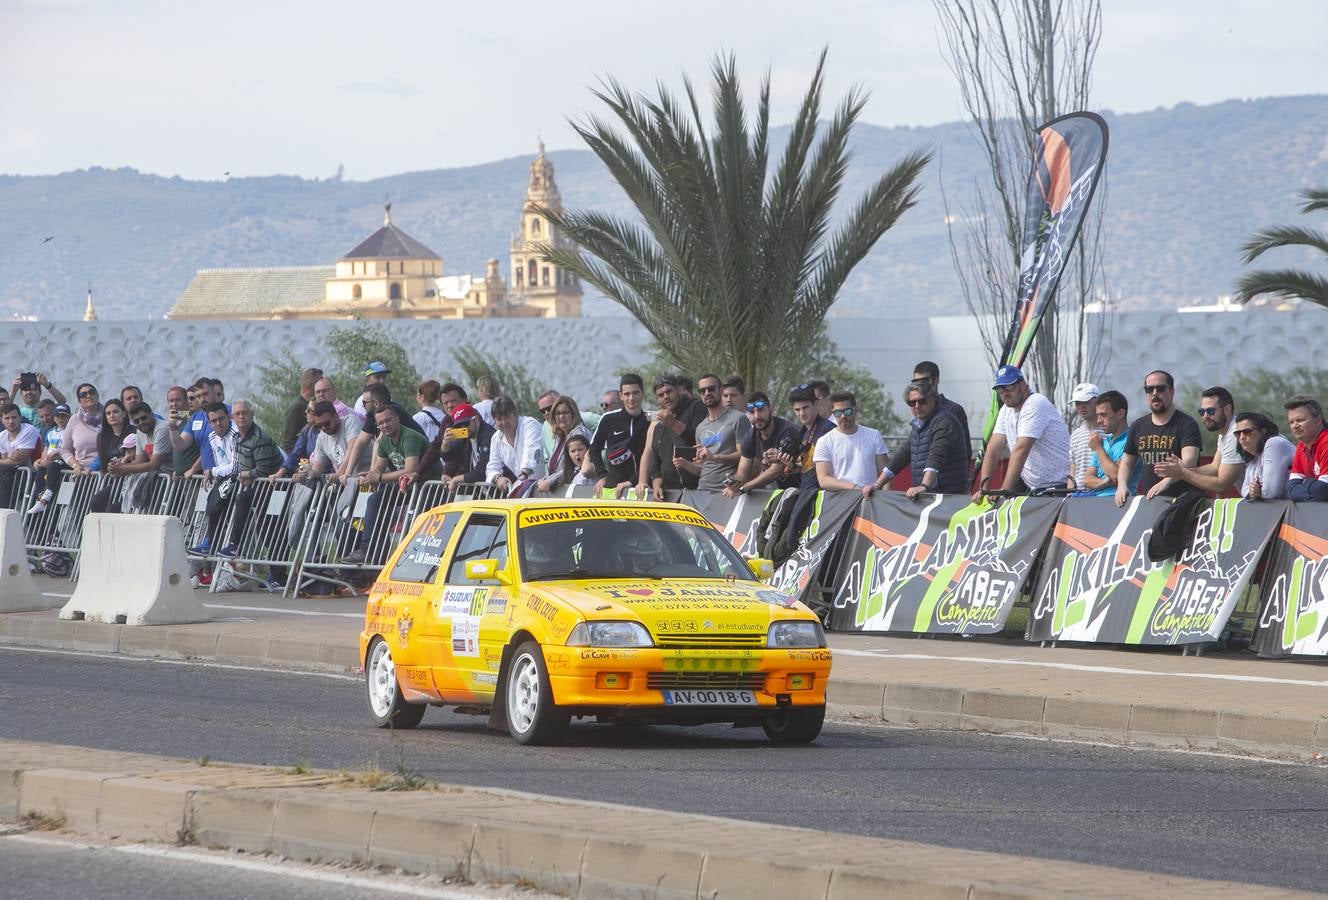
532,716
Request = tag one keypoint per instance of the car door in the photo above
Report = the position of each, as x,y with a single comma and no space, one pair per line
464,601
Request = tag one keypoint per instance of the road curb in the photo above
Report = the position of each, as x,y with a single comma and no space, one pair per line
576,848
1143,724
895,703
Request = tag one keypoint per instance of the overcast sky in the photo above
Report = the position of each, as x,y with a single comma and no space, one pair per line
255,88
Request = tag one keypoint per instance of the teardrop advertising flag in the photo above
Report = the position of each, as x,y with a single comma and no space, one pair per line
1069,154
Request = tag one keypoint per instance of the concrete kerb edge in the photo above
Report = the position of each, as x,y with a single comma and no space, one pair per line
1138,724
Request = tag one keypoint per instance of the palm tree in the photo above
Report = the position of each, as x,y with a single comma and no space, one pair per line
1288,283
730,267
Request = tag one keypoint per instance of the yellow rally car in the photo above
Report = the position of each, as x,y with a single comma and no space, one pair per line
536,611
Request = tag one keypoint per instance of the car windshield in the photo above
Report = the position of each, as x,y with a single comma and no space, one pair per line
627,548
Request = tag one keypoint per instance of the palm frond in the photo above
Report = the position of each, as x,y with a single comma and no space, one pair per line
1315,200
1291,284
1282,236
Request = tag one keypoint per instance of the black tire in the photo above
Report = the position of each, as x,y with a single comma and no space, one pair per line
532,716
794,724
388,708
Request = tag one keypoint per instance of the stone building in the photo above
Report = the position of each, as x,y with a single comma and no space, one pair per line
391,275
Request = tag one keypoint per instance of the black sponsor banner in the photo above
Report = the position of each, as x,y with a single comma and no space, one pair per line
737,517
941,565
1098,585
1293,613
817,558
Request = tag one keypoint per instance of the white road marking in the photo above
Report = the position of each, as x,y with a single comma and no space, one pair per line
124,657
373,885
288,612
1077,667
1108,745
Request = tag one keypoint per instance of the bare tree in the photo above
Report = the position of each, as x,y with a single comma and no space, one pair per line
1020,63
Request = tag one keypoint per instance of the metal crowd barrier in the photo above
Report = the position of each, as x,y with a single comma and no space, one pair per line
265,523
59,529
342,547
20,491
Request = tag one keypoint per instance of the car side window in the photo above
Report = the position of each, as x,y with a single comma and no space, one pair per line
477,540
422,558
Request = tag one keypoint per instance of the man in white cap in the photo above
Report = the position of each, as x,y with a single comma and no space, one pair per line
1084,398
1033,432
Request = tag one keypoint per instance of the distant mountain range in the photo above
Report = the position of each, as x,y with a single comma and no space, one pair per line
1185,186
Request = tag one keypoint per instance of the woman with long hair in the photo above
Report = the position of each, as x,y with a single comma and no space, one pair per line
1267,456
565,421
116,444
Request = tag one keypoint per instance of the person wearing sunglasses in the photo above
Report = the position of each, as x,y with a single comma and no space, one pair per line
79,447
852,457
1155,438
1031,432
934,453
927,370
1267,456
152,442
1227,468
715,461
765,451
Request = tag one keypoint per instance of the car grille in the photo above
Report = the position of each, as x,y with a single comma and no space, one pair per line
706,641
689,681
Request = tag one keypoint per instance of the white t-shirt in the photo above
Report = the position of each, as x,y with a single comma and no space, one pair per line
1048,461
429,418
852,457
1228,450
485,409
332,447
27,439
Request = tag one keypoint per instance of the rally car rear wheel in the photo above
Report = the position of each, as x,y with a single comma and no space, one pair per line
388,707
794,724
532,716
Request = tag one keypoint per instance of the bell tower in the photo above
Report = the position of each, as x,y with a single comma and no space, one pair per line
535,282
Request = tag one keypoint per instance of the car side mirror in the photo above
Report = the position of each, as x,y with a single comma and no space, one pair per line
761,568
486,570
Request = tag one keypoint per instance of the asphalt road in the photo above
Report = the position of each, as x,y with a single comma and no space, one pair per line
37,865
1191,814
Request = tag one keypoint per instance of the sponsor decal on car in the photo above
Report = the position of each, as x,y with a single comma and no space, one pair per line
577,513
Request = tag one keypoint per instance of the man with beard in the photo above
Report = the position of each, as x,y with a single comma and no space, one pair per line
1227,468
1164,433
462,447
717,436
765,450
1033,432
934,453
673,430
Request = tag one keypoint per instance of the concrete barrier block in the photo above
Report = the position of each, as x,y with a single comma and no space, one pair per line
96,636
865,695
1002,712
144,809
290,651
857,883
67,796
625,868
760,877
1245,731
322,829
50,631
237,819
133,568
18,592
927,705
183,642
15,626
244,647
1173,726
418,841
548,858
144,641
339,655
1067,717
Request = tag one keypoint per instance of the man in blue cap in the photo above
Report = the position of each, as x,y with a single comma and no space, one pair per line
1030,429
374,373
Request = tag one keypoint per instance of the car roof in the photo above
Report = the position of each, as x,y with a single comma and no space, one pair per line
515,506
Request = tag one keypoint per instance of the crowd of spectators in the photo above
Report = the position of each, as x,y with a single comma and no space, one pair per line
710,433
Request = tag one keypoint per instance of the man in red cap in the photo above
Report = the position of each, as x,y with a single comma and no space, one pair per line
462,444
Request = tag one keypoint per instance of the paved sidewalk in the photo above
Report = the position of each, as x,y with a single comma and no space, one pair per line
1230,702
571,847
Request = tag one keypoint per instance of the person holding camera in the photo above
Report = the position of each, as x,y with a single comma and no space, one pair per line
27,391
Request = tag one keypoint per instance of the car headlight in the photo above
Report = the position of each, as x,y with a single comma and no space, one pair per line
795,634
609,634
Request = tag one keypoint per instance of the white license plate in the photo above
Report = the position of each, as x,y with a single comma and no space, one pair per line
710,698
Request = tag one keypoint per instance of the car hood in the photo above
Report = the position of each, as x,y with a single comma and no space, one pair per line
664,606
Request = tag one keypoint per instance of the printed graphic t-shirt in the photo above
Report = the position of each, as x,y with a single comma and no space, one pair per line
1152,444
